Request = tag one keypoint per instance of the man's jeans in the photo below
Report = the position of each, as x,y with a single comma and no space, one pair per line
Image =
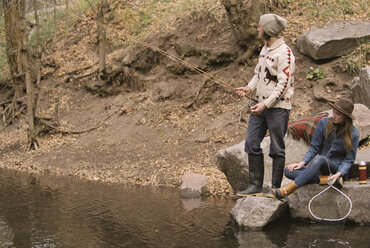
311,174
276,121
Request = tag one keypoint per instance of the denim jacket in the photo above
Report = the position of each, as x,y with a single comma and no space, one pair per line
334,149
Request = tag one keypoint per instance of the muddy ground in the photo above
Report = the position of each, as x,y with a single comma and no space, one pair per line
157,119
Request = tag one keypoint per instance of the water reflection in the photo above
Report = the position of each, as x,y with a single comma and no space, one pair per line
60,212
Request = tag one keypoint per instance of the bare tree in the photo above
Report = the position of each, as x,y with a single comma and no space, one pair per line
67,19
14,11
55,21
22,69
244,16
103,8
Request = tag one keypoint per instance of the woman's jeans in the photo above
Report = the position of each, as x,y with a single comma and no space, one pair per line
311,174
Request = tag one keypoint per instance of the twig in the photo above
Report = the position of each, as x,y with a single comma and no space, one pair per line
198,93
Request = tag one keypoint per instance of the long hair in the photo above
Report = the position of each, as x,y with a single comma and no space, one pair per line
341,129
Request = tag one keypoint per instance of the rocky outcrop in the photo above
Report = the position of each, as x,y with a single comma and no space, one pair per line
233,161
331,204
361,87
333,40
257,212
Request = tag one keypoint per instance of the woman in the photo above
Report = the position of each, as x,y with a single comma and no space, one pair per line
334,144
273,82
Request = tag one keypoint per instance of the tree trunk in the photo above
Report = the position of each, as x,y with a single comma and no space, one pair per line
244,16
55,22
30,87
13,12
102,39
67,19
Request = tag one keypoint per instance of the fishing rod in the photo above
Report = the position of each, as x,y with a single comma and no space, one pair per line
189,65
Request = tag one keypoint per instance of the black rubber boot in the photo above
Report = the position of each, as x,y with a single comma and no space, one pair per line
256,173
278,164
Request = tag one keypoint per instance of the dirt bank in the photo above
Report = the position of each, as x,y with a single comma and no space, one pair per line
174,122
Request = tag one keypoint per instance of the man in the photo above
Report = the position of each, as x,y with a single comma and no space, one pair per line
273,82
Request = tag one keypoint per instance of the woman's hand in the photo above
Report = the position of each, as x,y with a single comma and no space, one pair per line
242,91
335,177
295,166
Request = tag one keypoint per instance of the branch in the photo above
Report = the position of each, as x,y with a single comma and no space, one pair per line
110,17
92,7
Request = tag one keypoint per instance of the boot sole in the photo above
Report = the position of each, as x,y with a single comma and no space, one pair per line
269,195
253,194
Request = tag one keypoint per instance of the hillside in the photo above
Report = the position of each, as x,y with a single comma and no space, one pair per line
156,118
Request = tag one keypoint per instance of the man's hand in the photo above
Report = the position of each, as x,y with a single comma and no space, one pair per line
295,166
243,91
258,108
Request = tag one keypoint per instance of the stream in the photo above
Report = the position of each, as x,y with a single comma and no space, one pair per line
49,211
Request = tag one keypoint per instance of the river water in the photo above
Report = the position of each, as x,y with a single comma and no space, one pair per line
47,211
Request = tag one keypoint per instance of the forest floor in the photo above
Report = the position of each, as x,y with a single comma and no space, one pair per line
172,123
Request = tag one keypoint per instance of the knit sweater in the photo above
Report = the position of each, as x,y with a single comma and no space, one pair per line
274,76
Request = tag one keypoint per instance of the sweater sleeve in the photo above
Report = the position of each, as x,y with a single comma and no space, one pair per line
285,71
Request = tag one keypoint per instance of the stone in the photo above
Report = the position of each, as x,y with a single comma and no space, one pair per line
362,120
333,39
362,155
294,149
256,239
233,162
257,212
191,203
361,87
331,204
193,185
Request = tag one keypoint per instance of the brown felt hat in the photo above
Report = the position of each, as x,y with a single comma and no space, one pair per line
345,106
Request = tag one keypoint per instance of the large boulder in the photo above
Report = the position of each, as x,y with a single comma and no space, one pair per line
333,40
233,162
362,155
257,212
331,204
294,149
361,87
362,120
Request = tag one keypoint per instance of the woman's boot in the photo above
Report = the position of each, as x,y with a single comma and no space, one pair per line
285,190
256,172
338,183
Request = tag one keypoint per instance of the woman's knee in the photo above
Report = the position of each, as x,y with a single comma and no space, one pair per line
319,161
290,174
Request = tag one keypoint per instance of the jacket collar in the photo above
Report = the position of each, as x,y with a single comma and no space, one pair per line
276,44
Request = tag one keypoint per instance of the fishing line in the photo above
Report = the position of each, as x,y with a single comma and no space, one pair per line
200,71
